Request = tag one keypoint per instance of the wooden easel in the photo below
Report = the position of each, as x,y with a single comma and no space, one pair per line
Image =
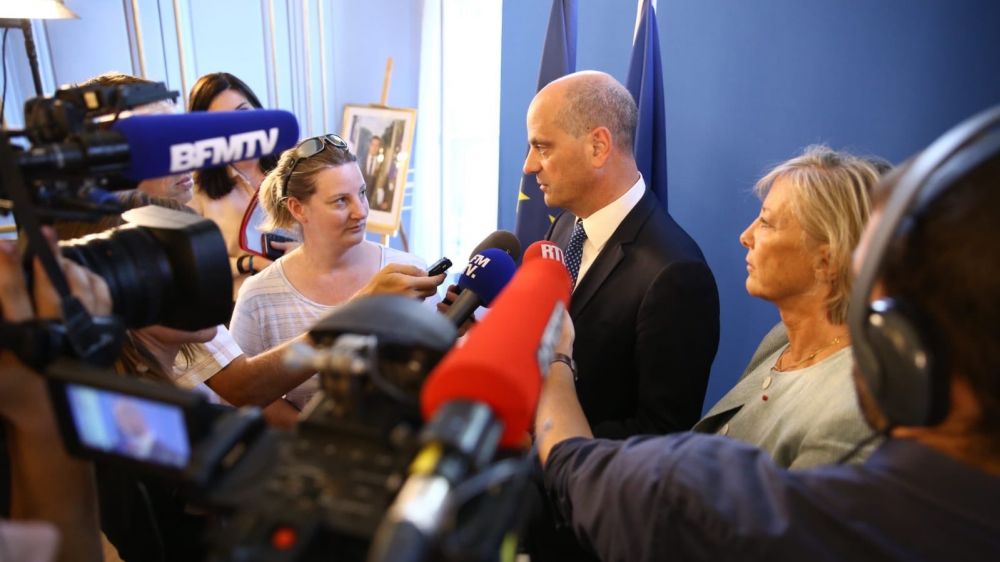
383,102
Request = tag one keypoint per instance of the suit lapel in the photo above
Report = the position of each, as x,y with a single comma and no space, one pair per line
560,229
612,253
605,263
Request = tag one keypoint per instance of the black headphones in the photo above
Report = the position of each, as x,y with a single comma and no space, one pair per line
896,349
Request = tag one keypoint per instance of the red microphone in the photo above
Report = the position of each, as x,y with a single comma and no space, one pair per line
543,249
502,362
487,386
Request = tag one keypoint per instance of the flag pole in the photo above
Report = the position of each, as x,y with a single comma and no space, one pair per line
638,18
386,80
384,102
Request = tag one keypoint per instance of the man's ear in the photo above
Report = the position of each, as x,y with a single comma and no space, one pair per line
599,146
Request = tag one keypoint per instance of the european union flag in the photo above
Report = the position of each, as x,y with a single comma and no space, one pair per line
645,81
558,59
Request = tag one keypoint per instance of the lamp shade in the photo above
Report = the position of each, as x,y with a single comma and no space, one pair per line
35,10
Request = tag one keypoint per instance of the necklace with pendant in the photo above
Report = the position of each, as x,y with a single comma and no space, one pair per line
778,367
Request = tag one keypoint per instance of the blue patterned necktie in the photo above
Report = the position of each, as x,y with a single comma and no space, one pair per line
574,251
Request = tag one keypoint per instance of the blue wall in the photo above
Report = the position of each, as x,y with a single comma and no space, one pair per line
748,84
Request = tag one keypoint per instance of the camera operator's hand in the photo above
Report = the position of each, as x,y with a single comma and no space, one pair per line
15,306
559,415
86,286
567,336
18,384
47,484
400,279
20,387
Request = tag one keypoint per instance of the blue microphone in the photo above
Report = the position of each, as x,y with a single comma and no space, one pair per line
151,146
162,145
486,274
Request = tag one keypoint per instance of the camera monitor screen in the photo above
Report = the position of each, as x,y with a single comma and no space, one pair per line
129,426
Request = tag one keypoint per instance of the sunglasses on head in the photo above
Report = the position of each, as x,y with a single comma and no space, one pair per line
309,148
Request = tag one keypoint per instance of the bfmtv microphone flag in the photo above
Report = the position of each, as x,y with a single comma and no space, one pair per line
186,156
161,145
558,59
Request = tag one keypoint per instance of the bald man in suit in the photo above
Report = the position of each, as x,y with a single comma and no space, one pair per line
645,304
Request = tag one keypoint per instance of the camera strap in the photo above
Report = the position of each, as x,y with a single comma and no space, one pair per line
87,338
35,342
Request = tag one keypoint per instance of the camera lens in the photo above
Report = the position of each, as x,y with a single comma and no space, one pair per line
165,267
135,268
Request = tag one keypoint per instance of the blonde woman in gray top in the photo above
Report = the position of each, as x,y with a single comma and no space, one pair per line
318,191
796,399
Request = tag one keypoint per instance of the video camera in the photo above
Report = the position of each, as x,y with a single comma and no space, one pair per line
162,267
74,154
322,491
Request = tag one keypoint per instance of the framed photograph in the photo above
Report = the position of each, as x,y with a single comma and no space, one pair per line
382,139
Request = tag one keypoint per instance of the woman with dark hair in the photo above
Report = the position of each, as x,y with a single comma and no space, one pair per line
223,194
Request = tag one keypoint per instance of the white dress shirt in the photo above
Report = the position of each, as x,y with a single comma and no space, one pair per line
603,223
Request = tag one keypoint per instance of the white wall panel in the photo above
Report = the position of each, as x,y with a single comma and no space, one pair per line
95,43
228,36
307,56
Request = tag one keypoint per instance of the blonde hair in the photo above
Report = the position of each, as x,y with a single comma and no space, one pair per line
832,201
301,184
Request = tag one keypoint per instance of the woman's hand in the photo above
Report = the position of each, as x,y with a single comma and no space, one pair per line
400,279
450,296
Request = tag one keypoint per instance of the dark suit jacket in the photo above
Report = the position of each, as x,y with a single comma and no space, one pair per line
647,325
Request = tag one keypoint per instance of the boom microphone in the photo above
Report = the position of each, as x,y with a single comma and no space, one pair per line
504,240
152,146
484,277
482,393
501,239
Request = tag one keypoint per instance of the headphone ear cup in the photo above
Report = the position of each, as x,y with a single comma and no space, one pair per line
912,387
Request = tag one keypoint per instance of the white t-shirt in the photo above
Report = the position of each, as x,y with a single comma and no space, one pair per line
28,541
209,358
270,311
